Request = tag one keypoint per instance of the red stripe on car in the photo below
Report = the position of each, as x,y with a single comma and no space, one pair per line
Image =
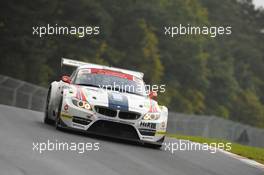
112,73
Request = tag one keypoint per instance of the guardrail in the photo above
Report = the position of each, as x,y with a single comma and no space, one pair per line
215,127
18,93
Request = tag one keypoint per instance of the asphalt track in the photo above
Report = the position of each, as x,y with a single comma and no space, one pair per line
19,128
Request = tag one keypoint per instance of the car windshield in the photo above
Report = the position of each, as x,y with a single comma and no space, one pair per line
110,82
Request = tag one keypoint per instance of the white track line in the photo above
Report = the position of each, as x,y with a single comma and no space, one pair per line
243,159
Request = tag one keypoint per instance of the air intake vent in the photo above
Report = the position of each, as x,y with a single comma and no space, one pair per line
82,121
105,111
129,115
114,129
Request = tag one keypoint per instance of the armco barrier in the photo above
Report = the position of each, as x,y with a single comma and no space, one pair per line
18,93
215,127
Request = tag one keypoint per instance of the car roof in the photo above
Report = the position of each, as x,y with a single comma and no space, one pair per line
124,71
83,65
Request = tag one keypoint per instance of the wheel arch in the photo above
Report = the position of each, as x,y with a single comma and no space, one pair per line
54,98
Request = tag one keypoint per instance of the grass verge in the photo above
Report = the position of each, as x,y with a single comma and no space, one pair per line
253,153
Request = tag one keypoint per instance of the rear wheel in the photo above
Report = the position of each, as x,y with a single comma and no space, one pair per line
47,120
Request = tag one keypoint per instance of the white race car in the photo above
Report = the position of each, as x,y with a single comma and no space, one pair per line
107,101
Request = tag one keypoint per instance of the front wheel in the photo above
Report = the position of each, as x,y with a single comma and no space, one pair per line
47,120
58,119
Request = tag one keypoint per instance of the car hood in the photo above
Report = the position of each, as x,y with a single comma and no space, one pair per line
115,100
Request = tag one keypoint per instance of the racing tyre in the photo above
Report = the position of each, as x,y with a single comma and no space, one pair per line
58,120
47,120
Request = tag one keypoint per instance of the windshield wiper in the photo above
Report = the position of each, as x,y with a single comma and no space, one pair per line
133,93
83,84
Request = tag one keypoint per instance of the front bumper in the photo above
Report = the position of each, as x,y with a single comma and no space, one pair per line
90,121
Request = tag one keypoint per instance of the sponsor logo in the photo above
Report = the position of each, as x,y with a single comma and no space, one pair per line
66,116
148,125
117,97
163,126
66,107
160,133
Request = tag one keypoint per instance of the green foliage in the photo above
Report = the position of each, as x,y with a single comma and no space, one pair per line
248,109
150,55
221,76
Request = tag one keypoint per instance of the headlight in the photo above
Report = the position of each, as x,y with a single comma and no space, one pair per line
81,104
151,116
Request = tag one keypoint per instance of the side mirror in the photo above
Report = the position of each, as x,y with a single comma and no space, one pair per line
66,79
153,95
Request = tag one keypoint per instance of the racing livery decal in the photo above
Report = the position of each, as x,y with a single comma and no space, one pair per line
84,105
148,125
117,101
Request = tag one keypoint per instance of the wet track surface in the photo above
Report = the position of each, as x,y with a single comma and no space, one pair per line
20,128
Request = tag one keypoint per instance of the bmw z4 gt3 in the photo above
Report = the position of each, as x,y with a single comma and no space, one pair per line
107,101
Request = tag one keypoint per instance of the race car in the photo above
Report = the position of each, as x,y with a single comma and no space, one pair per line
107,101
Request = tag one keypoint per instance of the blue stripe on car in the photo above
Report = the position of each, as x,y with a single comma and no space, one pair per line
117,101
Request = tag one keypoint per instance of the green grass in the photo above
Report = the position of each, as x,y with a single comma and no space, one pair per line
250,152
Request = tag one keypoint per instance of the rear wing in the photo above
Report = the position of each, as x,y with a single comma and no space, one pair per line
75,63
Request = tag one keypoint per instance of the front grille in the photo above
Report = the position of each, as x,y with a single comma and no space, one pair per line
113,113
82,121
129,115
105,111
147,132
114,129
